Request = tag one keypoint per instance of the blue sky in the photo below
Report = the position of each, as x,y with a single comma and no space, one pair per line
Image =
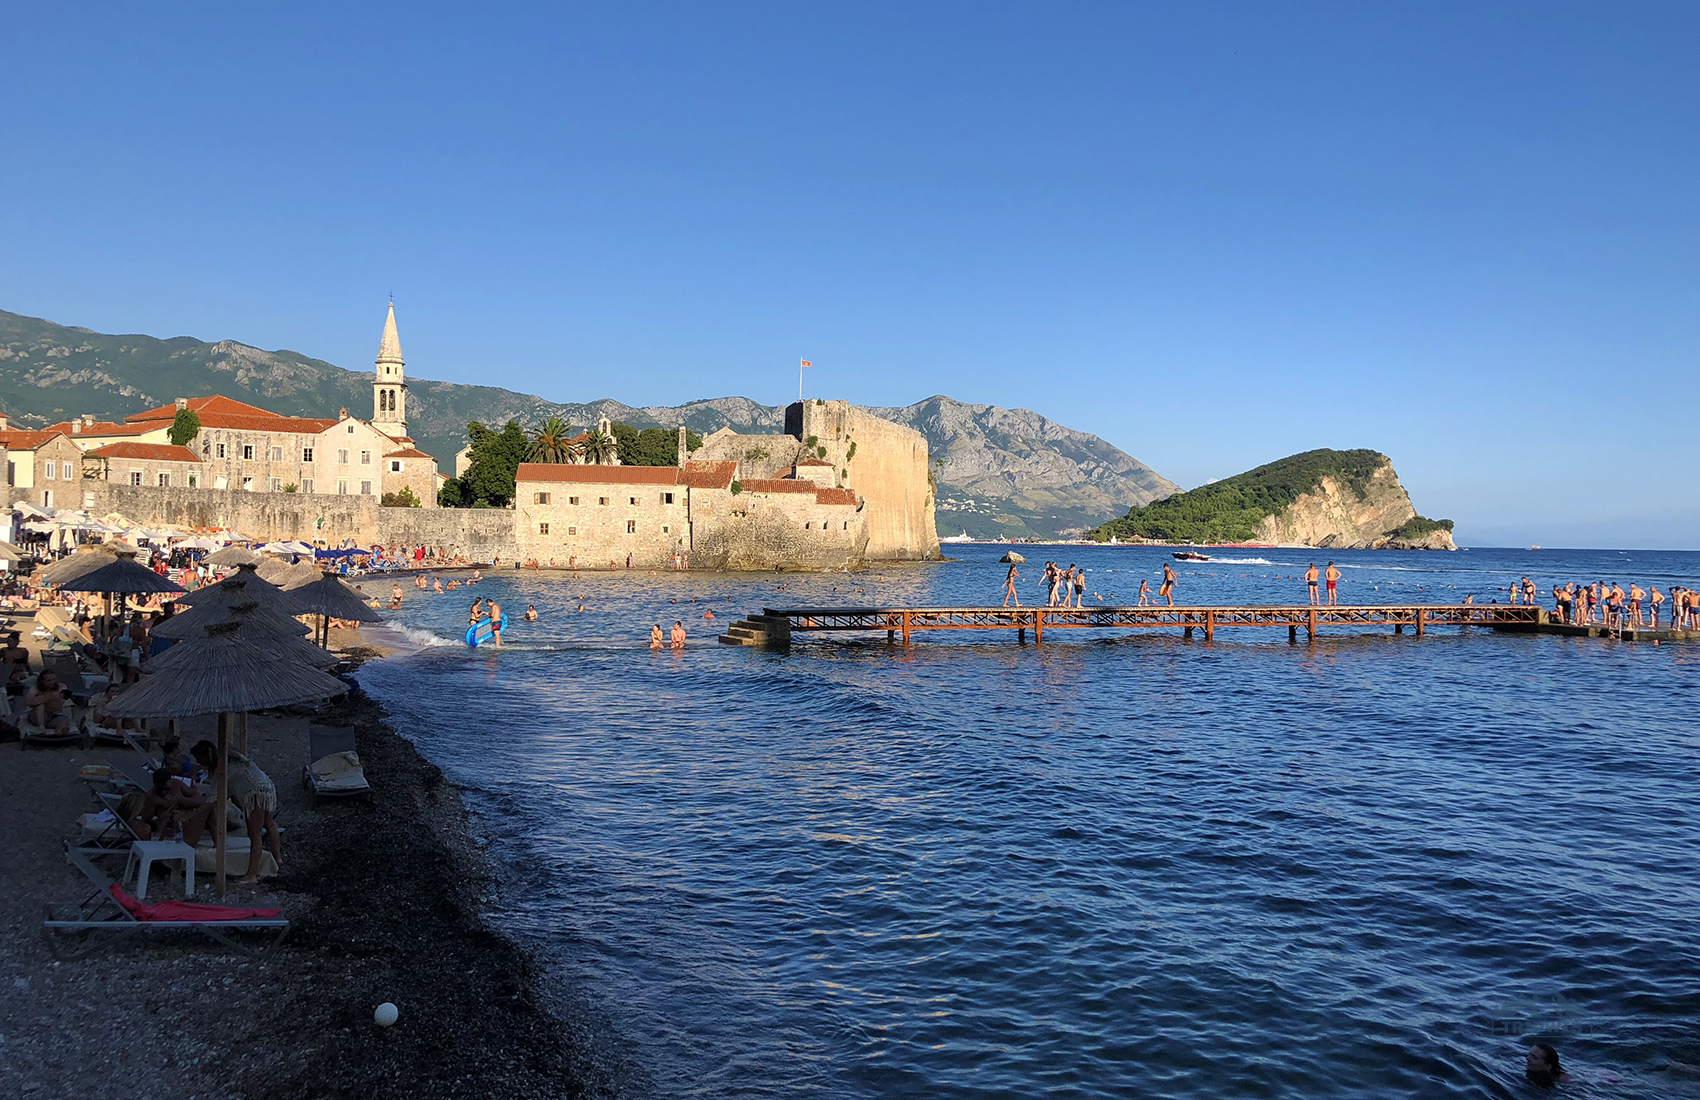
1214,234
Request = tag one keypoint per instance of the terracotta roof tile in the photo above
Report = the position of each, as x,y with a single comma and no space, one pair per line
835,496
597,475
408,452
159,452
268,423
813,462
215,403
778,485
710,475
99,427
26,440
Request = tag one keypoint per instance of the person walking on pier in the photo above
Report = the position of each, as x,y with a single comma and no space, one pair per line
1530,592
1050,584
1144,593
1167,591
1009,592
1333,579
1310,579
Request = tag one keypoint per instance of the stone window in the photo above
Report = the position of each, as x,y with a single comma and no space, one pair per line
572,530
247,452
52,467
65,471
306,485
306,454
543,498
277,484
165,481
632,501
395,465
194,481
572,500
247,484
365,458
631,527
365,488
220,451
351,429
277,454
807,526
136,478
341,488
664,529
666,498
602,500
542,528
11,473
342,458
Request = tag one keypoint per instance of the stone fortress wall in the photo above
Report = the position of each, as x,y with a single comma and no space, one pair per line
885,464
480,534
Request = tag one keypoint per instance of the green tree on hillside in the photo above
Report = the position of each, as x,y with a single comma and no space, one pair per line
651,446
489,478
184,427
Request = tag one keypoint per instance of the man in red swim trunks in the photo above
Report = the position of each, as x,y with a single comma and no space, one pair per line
1333,578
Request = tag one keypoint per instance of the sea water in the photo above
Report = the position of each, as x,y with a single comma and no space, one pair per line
1112,865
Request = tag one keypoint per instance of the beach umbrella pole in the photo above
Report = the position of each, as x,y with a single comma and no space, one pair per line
244,749
223,796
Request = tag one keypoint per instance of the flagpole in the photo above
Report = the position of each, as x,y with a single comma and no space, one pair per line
799,381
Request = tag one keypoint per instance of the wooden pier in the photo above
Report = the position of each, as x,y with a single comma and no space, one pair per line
774,626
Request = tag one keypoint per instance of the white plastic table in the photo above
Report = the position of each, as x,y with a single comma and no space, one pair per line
145,853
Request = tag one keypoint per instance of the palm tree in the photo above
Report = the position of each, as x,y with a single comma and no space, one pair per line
597,448
549,443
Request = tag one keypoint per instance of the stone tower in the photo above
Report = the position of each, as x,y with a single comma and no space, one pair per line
389,384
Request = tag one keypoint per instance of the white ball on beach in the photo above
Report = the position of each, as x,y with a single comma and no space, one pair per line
386,1014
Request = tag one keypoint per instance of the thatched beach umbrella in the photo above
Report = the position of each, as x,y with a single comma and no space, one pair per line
75,565
329,598
232,556
226,675
287,576
244,583
271,618
121,577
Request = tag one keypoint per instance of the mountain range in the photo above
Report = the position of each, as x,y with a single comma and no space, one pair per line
1006,473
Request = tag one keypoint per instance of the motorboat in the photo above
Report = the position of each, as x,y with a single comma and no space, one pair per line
1190,555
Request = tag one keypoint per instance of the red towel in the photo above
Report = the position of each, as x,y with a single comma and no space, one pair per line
187,910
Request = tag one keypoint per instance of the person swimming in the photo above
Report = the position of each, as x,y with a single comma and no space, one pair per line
1542,1067
530,612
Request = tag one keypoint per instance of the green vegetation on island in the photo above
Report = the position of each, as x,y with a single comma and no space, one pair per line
496,455
1418,526
1232,510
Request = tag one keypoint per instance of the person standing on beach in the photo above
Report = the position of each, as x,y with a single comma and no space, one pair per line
1310,579
1333,578
1167,591
678,634
1009,592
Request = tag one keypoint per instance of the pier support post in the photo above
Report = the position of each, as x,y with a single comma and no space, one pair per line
1021,634
890,637
1210,626
1311,629
1292,633
906,630
1419,622
1186,631
1398,628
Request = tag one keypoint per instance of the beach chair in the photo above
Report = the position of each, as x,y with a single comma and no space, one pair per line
333,769
74,931
31,734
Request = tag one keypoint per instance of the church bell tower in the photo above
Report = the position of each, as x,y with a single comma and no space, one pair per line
389,384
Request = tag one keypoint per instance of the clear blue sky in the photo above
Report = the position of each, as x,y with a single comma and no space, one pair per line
1214,234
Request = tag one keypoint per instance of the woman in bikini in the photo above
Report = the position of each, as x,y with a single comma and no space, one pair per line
1009,592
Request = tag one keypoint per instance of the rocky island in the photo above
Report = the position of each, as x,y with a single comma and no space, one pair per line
1347,500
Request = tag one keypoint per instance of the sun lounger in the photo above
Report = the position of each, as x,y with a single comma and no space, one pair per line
334,771
48,618
31,734
74,931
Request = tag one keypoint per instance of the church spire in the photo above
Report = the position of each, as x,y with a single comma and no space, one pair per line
389,350
389,383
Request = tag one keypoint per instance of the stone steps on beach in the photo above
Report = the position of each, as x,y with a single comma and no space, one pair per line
758,630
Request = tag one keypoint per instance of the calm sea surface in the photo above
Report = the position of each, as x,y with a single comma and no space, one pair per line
1113,865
